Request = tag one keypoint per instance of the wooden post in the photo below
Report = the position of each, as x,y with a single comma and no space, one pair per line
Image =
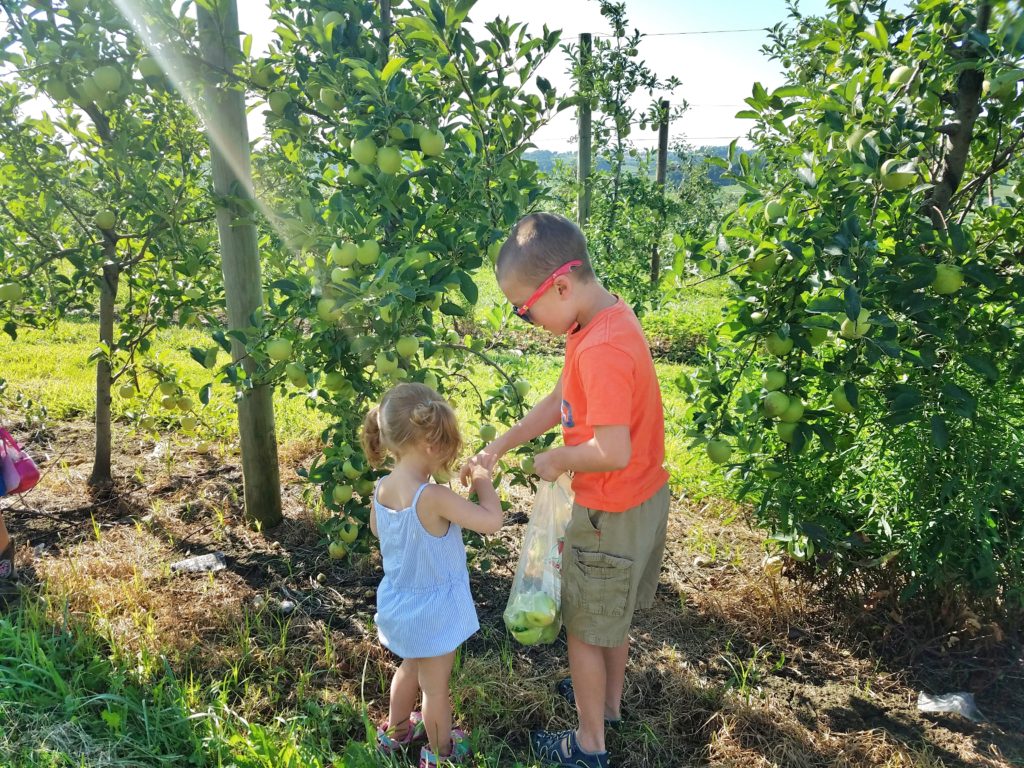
662,162
583,115
240,263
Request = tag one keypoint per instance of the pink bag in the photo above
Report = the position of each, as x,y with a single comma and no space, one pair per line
8,471
28,472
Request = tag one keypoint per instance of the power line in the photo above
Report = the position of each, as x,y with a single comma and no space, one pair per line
692,32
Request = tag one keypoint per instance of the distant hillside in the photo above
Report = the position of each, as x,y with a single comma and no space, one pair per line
546,161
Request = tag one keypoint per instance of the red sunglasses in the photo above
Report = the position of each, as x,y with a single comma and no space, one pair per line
523,310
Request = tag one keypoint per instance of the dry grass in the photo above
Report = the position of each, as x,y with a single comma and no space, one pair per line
731,667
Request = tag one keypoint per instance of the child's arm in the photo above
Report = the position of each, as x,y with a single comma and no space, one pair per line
607,451
438,502
546,414
373,522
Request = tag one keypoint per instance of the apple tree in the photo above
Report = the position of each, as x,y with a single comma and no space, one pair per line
105,213
863,388
394,165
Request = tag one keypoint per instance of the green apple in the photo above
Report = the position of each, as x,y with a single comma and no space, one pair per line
203,447
364,151
127,391
327,310
296,373
279,350
854,140
430,379
841,401
901,76
897,174
356,177
168,387
488,432
948,279
406,346
105,219
368,252
541,610
150,68
337,550
11,292
189,424
185,403
107,78
794,411
522,387
365,488
528,636
719,451
331,98
341,494
765,261
816,335
855,330
340,274
775,403
169,402
773,379
431,143
349,531
147,423
527,465
344,254
389,160
785,430
778,346
774,210
385,364
350,470
757,317
279,101
335,381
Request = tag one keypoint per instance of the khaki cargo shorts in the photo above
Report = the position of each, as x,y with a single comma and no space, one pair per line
610,567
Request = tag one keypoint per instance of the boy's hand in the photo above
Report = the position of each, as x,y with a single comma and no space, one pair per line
547,465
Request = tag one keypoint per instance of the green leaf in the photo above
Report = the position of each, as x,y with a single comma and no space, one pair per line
852,303
393,66
982,365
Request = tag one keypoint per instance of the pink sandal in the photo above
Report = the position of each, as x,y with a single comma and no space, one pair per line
416,732
458,755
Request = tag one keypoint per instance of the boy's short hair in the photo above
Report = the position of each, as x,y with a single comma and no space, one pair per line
539,244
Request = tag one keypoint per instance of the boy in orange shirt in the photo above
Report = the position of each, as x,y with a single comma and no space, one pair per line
609,405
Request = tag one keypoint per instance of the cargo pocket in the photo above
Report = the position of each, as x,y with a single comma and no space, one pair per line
600,584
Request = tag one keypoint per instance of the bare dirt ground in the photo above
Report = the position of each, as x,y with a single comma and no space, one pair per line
733,666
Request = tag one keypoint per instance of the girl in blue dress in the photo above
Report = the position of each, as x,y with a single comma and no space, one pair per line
424,607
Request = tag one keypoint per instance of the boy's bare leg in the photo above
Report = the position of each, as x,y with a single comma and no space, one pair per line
615,669
434,674
589,683
5,539
405,689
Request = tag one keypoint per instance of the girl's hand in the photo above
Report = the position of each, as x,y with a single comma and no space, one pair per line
487,458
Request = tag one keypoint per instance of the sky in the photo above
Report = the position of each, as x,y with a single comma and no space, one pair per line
716,68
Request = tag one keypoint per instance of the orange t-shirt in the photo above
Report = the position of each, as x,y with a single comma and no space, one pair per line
609,380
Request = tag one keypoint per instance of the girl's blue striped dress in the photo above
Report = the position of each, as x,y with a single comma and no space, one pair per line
424,606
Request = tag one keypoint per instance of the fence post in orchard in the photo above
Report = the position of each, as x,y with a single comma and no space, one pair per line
231,165
583,116
662,162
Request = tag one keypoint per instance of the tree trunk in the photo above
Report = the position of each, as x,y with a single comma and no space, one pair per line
232,182
101,471
967,110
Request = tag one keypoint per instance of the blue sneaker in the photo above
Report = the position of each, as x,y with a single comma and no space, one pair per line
560,748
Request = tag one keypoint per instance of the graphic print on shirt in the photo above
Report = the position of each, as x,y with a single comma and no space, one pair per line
567,420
